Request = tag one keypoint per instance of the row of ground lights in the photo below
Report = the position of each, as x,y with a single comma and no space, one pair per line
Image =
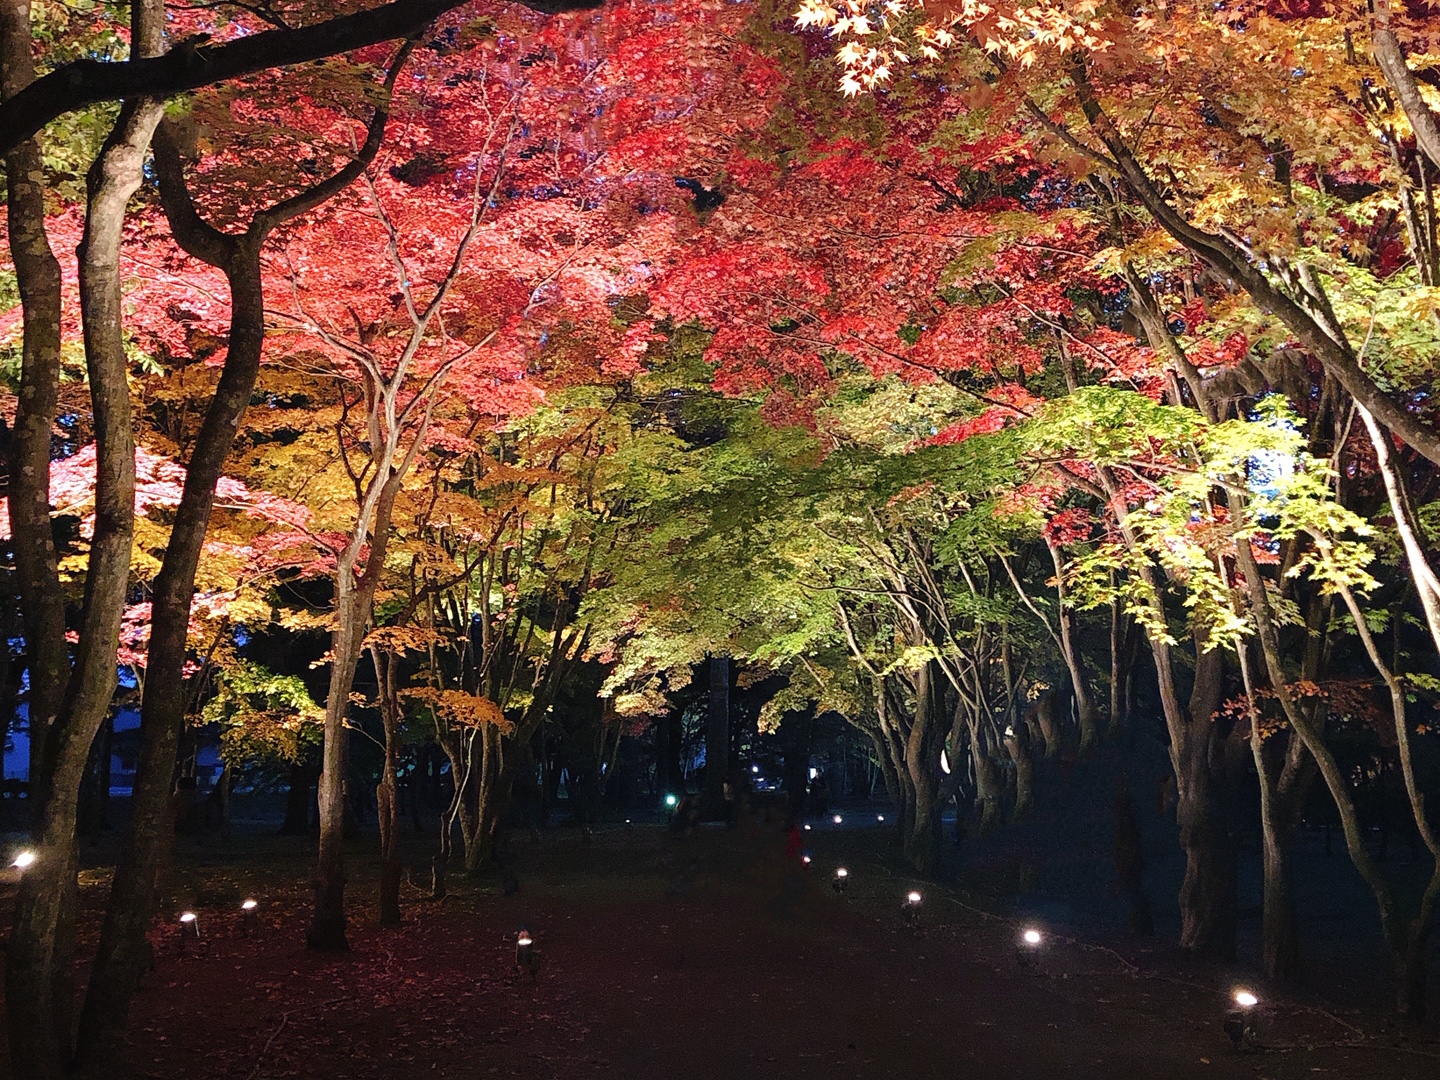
1239,1020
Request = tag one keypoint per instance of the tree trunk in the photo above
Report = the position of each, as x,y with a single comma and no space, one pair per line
922,759
717,738
1048,723
37,272
327,924
40,960
1017,746
1087,716
387,794
492,789
988,786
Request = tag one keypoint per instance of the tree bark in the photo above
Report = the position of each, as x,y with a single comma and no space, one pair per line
37,273
1390,58
387,808
194,63
1087,715
40,959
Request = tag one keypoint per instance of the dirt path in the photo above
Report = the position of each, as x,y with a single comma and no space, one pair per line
706,957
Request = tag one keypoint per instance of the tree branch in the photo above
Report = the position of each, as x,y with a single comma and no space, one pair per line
196,62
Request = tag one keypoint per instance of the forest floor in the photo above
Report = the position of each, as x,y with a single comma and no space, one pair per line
707,955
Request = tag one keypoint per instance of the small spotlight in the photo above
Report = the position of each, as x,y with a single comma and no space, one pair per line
24,860
910,910
807,828
880,818
754,768
189,924
250,915
249,905
670,800
1240,1020
526,960
841,880
1028,947
838,819
805,859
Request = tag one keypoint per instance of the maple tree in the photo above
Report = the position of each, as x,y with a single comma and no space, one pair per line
634,340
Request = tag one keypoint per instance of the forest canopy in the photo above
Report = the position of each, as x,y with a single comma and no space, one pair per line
999,378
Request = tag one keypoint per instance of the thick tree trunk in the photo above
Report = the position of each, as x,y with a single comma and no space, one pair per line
1017,745
989,787
37,273
1043,712
40,959
922,758
1208,890
123,953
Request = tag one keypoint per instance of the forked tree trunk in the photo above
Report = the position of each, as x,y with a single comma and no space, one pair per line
123,951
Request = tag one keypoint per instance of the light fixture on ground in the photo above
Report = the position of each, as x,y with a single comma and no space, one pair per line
670,801
880,818
1240,1019
837,819
807,828
526,960
841,880
1028,945
250,914
24,860
189,924
910,909
805,859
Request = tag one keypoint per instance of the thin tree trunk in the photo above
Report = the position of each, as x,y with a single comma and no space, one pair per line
717,737
1087,716
387,807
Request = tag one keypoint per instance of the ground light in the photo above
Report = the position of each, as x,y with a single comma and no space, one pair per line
837,819
880,818
841,880
249,912
807,828
1028,946
1240,1019
670,801
910,910
805,859
526,960
189,924
24,860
